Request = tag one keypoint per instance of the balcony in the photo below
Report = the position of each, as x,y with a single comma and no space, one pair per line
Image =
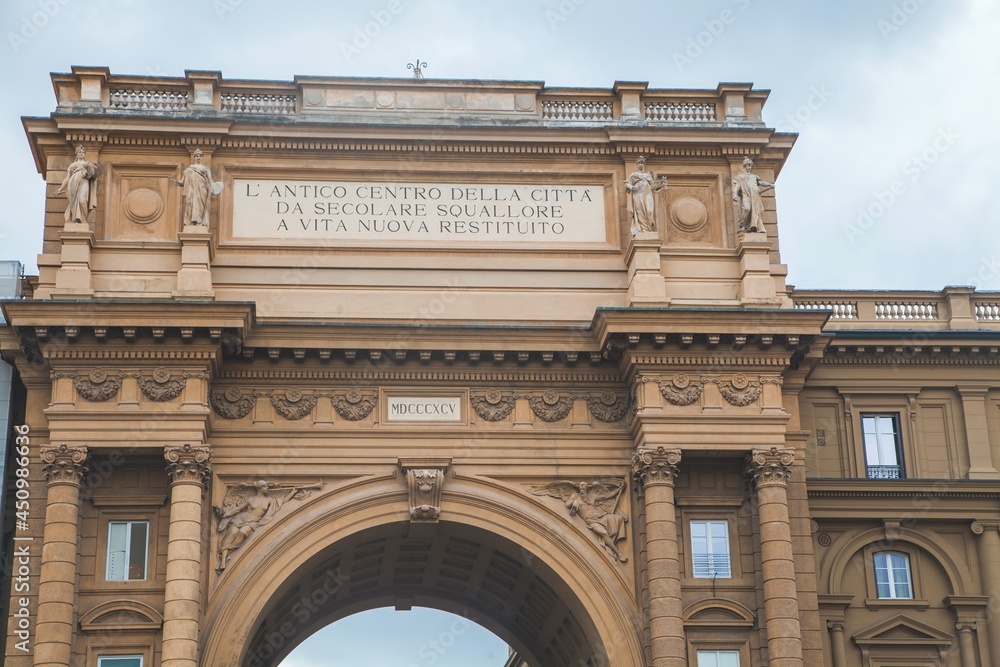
884,472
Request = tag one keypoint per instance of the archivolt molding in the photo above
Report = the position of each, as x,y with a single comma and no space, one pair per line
739,616
110,615
240,595
834,565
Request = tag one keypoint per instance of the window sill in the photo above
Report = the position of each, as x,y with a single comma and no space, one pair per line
873,604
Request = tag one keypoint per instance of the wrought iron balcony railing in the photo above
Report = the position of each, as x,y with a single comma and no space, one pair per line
885,472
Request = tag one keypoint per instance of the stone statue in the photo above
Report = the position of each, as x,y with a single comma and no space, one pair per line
246,508
80,187
597,504
641,187
746,195
198,186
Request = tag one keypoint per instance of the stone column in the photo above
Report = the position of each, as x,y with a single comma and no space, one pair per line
989,566
769,470
967,643
837,654
189,468
64,470
656,469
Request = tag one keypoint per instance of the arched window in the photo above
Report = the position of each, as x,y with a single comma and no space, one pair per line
892,576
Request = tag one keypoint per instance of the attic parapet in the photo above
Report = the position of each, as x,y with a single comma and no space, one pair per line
204,93
957,308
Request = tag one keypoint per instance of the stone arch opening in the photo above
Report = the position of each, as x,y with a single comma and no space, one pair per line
453,567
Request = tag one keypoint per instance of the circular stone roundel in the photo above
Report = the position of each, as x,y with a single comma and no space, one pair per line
689,214
142,206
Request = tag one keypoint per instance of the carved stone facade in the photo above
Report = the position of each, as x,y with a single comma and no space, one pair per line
618,446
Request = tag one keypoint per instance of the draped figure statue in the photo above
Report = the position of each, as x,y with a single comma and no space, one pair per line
79,186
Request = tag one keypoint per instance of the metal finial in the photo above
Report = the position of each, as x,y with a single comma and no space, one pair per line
417,67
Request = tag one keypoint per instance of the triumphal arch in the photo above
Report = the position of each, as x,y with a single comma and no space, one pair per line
521,353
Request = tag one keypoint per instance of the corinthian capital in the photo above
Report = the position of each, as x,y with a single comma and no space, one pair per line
770,466
65,464
188,464
655,466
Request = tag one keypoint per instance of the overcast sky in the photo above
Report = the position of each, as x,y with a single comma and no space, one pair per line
896,101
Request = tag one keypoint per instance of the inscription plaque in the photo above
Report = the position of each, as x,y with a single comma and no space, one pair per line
316,211
424,408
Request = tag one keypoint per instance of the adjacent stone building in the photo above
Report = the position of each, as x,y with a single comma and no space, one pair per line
301,349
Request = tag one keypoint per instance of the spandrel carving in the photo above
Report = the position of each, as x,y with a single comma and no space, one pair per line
596,503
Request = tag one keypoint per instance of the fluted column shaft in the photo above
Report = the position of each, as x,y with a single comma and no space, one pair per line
656,470
989,566
769,470
64,470
189,468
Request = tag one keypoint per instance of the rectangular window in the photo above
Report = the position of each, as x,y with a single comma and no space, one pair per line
127,541
710,549
883,458
892,576
718,659
119,661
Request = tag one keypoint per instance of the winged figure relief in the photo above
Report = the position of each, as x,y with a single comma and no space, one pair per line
596,503
248,506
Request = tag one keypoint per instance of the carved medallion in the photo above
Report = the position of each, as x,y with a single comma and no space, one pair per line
493,405
680,390
142,206
294,405
551,407
233,404
608,407
98,386
353,405
161,387
739,390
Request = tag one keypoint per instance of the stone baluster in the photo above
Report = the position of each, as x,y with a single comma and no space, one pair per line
189,469
655,470
64,470
989,566
769,470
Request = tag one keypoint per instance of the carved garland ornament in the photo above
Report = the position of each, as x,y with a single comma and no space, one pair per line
609,406
161,387
493,405
98,386
770,466
353,405
65,464
188,463
232,404
550,406
294,405
680,390
740,391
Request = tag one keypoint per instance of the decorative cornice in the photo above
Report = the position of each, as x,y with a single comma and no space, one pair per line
655,466
65,464
770,466
188,464
365,372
